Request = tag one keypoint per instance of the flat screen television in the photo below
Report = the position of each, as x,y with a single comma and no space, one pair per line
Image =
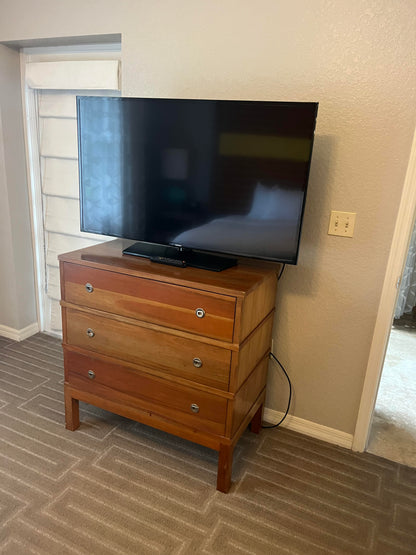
194,180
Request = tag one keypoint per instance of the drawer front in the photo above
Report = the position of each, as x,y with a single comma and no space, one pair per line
201,410
175,356
152,301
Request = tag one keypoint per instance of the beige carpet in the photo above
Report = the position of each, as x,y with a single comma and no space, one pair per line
116,487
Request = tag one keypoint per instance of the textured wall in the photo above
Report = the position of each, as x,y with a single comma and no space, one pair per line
17,292
358,60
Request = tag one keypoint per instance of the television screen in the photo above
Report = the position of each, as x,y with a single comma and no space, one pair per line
222,176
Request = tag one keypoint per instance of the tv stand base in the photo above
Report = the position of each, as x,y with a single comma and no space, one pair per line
181,257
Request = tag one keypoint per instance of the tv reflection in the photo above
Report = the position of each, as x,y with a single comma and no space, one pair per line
271,226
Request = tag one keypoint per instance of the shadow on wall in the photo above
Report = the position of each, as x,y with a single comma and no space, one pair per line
304,280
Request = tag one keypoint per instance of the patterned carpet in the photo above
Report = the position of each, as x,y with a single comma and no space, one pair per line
117,487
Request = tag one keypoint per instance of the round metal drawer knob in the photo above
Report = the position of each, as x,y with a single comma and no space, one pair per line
197,362
89,287
194,408
90,332
91,374
200,312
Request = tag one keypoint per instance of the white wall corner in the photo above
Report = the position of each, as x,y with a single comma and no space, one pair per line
308,428
19,335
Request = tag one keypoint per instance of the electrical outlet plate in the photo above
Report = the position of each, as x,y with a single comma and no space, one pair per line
342,223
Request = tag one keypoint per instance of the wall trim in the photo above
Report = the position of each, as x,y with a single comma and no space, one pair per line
19,335
306,427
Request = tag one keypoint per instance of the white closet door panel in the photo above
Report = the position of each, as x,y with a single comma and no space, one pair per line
60,177
51,255
55,316
53,281
58,138
59,244
74,75
61,215
58,104
55,104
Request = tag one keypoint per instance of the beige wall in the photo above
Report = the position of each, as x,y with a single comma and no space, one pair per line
8,297
358,60
17,292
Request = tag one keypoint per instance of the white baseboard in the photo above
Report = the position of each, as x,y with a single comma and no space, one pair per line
19,335
309,428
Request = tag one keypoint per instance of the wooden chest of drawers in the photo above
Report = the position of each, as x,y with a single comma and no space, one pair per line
180,349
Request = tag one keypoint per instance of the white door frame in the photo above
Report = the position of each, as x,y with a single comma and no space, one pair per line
396,261
30,122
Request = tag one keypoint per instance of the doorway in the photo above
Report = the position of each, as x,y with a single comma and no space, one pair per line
398,252
393,430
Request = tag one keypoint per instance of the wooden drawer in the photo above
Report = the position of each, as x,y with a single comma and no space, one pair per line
151,301
198,409
155,349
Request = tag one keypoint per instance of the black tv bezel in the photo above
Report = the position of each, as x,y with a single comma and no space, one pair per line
179,255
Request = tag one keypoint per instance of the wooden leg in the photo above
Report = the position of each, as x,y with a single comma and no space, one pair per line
71,412
255,424
225,464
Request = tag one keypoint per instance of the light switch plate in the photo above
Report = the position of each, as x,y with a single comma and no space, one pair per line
342,223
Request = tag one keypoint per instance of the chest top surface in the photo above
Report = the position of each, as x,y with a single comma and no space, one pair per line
237,281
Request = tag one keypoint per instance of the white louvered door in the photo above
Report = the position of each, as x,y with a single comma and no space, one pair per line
59,186
55,181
